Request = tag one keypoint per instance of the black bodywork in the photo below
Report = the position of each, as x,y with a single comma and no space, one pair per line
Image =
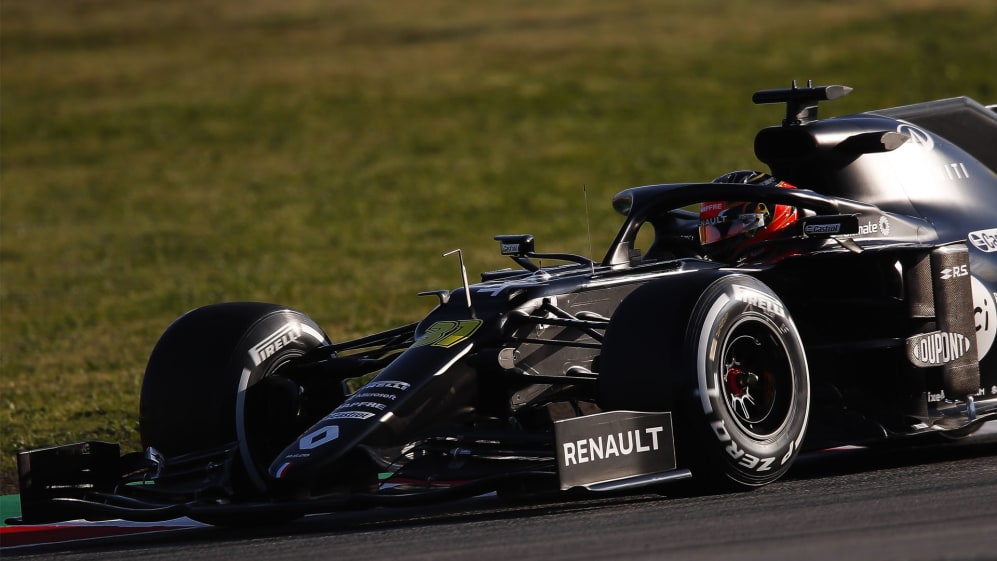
890,278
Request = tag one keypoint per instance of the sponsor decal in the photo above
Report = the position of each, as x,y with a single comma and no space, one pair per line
359,415
818,229
392,384
274,342
984,240
364,405
870,227
509,248
363,394
758,299
937,348
984,317
374,398
613,445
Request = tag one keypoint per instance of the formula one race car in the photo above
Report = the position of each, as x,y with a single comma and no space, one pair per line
847,298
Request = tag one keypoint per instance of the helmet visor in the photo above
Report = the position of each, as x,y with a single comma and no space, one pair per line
723,221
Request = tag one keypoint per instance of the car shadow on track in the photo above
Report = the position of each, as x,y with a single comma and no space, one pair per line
928,450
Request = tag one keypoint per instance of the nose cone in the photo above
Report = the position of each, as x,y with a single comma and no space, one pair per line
287,465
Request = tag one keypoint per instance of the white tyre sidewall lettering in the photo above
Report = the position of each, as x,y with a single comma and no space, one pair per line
724,314
251,374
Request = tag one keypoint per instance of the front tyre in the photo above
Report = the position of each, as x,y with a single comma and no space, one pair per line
195,393
747,406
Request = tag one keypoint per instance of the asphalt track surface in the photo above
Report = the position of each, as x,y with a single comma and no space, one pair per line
931,503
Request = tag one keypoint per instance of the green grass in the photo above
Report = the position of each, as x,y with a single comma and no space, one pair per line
158,156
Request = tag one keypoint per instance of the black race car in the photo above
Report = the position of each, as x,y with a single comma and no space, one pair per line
847,298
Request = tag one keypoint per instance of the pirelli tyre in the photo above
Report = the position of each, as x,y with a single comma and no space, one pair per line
750,396
211,381
721,351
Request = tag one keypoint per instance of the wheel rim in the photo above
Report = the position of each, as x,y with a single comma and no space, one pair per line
756,377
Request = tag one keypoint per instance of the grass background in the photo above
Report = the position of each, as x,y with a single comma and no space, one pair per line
157,156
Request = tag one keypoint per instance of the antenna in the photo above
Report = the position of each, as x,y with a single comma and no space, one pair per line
588,225
463,276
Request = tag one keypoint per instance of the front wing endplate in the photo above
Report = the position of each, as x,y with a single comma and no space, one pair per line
594,450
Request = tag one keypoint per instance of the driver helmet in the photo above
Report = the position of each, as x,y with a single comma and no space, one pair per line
729,229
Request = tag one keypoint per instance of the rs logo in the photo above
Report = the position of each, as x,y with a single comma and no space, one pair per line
955,272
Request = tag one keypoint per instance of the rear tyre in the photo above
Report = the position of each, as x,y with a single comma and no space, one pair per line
195,393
